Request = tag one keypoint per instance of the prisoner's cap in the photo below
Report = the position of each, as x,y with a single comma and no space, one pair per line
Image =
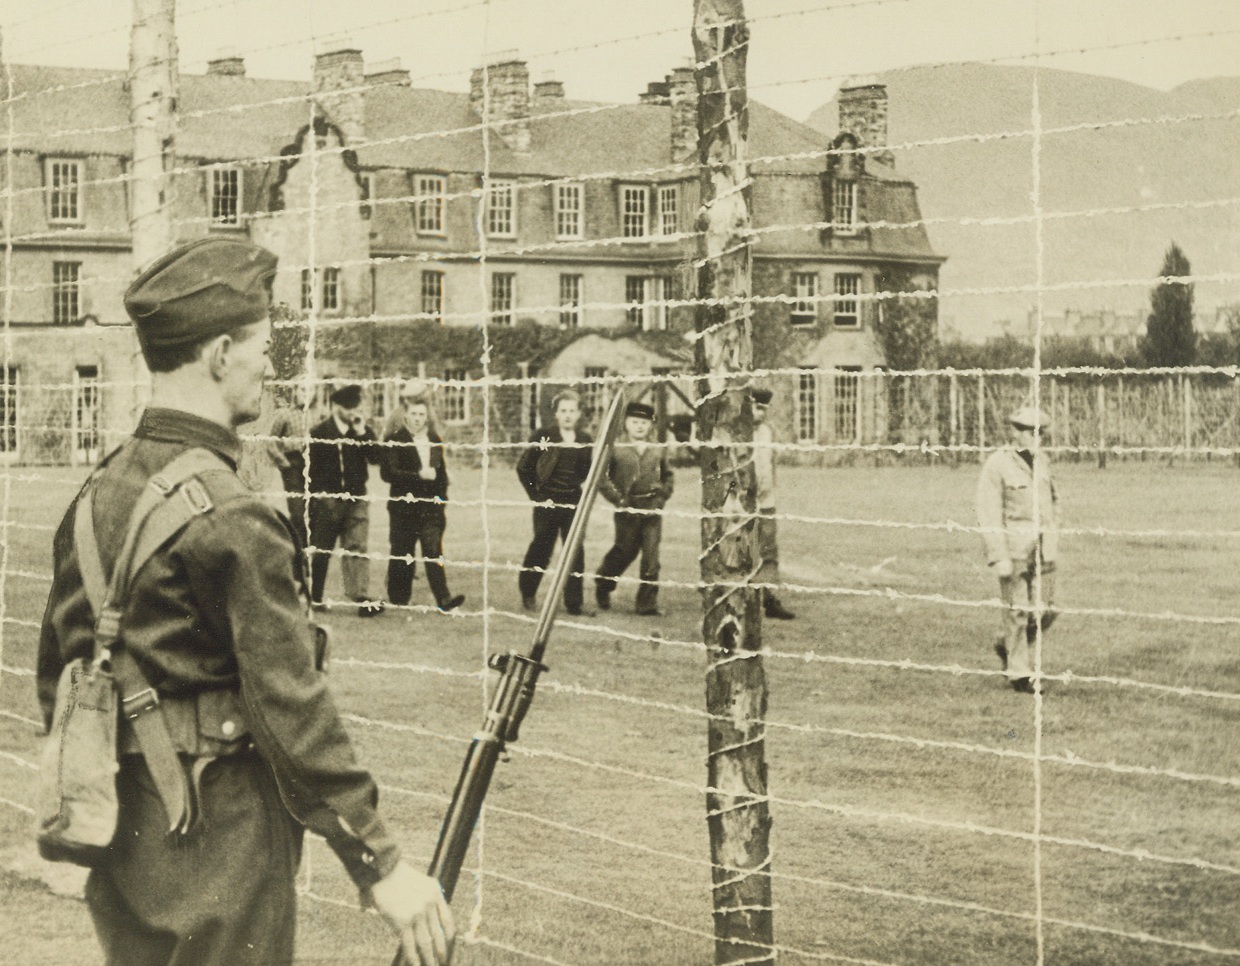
643,410
762,396
349,397
200,290
1027,417
413,389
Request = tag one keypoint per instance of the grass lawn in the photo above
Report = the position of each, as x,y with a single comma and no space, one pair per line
907,798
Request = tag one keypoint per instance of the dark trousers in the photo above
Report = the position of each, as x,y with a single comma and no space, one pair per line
224,896
348,521
635,533
410,524
294,493
550,523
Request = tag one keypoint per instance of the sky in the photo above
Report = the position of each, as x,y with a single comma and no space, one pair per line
800,50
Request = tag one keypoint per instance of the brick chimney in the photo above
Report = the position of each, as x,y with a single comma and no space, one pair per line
226,64
682,89
549,89
863,114
502,90
389,73
657,92
340,68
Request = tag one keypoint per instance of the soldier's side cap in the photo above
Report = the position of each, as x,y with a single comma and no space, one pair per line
643,410
1027,417
201,289
762,397
350,396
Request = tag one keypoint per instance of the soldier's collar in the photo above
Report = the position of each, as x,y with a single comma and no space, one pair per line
177,426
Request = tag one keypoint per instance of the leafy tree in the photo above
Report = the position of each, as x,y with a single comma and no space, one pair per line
1170,339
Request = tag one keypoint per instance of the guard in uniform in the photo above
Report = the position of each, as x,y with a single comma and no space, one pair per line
1018,513
218,622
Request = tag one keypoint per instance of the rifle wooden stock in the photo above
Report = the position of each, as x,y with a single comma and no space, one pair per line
514,691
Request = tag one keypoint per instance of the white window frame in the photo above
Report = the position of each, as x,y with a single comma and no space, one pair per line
219,194
805,290
10,413
634,211
667,209
844,207
592,390
503,298
646,308
307,290
86,425
847,304
64,191
501,209
806,421
330,299
454,400
429,203
569,211
846,404
571,288
432,295
66,292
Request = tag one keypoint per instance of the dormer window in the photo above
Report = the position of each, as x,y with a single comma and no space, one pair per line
844,207
225,196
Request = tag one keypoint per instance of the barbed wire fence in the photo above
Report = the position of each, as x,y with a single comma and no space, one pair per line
333,206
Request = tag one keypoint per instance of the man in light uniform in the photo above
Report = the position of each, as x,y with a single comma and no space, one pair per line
764,470
1018,511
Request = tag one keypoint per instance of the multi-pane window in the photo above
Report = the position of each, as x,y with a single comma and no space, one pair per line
847,311
429,190
432,295
331,289
10,382
668,209
86,414
568,211
307,290
66,292
501,208
570,301
847,392
503,287
225,194
645,299
64,187
592,391
807,407
844,207
634,205
805,289
455,396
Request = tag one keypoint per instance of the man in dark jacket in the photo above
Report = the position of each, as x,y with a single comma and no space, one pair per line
552,471
341,448
217,621
638,483
413,465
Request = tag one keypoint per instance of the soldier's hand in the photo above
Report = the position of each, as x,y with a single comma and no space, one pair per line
1002,568
414,906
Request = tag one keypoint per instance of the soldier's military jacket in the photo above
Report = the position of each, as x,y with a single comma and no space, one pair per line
221,610
1005,507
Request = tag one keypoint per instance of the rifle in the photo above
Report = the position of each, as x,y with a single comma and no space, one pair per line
514,692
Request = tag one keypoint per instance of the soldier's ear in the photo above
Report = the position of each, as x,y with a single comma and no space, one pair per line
216,355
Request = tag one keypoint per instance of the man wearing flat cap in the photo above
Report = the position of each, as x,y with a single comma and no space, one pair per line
1018,513
217,621
638,482
342,448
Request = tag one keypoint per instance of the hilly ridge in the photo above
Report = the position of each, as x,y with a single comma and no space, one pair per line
1121,171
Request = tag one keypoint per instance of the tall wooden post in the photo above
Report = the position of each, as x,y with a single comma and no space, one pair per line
981,417
737,810
1102,425
153,92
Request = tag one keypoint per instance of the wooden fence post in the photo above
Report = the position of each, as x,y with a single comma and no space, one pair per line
737,806
1102,425
981,417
